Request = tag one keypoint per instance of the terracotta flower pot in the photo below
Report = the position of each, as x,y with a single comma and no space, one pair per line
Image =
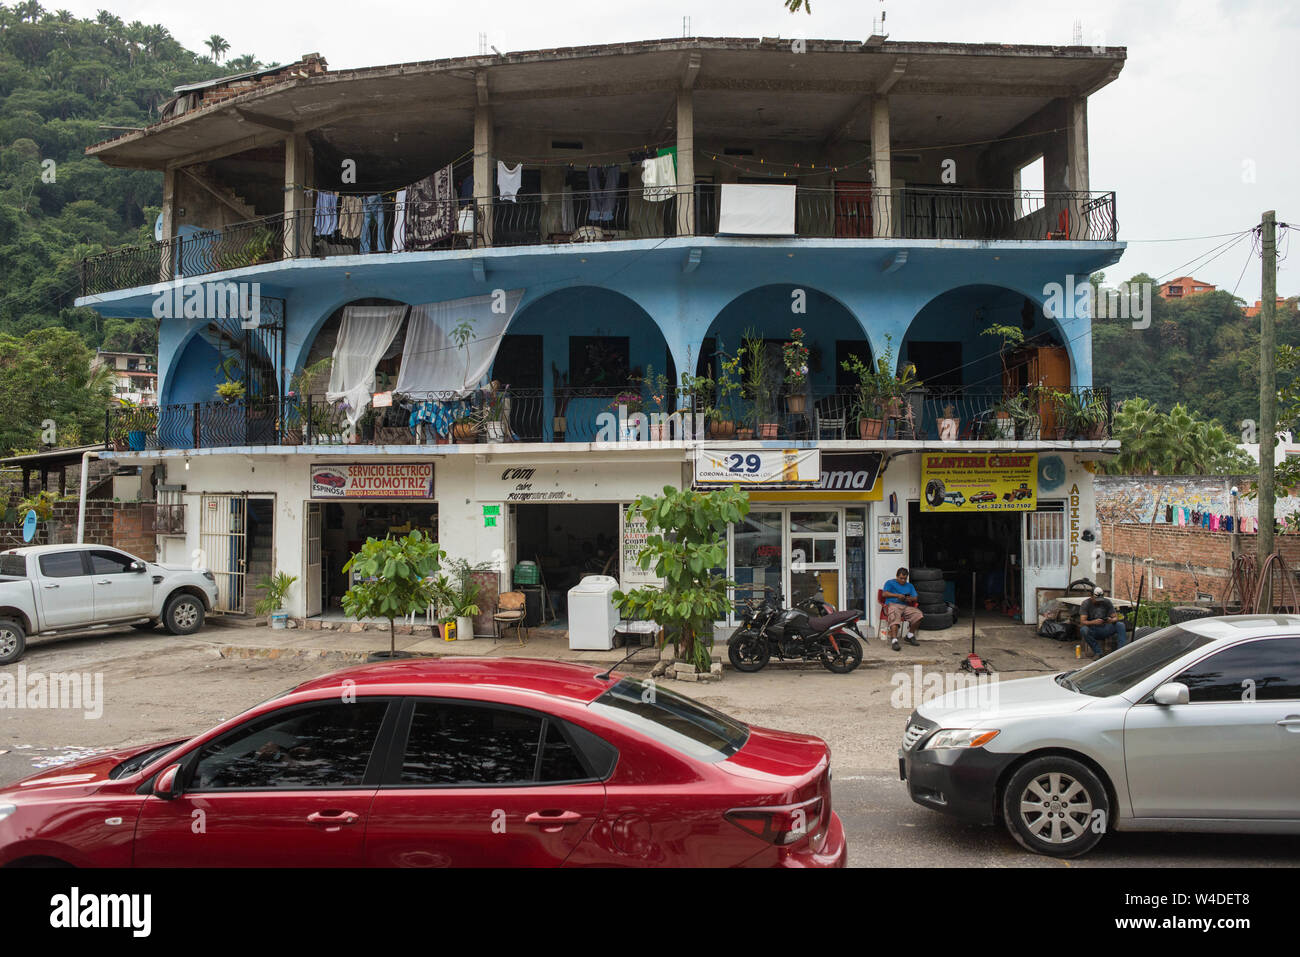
744,434
768,430
722,430
797,404
464,433
870,428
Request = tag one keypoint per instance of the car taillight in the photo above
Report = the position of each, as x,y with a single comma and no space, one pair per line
781,825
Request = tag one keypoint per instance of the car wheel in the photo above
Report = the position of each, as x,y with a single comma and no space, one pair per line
848,658
936,622
748,651
13,641
1056,806
183,615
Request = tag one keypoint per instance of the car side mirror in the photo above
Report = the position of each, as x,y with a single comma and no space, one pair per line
168,784
137,567
1174,692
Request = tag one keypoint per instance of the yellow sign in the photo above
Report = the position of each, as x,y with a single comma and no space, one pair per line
979,481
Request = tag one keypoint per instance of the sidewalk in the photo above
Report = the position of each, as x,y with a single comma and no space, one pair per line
1010,647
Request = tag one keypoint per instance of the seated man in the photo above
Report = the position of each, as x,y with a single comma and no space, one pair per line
900,605
1098,619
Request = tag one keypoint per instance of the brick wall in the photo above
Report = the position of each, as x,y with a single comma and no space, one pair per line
1185,560
121,524
131,530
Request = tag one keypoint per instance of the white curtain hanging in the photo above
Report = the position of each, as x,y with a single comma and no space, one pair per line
365,334
432,360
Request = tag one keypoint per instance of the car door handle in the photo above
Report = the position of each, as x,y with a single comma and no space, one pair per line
335,819
1290,721
103,581
552,821
50,586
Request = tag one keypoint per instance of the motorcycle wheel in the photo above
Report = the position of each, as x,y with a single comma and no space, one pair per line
748,651
850,655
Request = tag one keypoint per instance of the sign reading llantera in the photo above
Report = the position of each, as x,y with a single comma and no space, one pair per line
373,480
979,482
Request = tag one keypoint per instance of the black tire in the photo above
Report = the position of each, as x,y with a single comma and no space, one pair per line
13,641
748,651
1144,631
1081,581
1181,613
930,588
145,625
183,614
927,575
934,490
849,657
1078,827
936,622
954,611
939,609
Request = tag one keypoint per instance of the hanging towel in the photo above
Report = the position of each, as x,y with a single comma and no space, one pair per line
350,216
430,217
658,179
399,221
327,212
1214,523
1169,515
509,180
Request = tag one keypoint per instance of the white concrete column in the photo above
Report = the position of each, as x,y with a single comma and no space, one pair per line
1076,163
297,230
484,165
167,255
685,163
882,213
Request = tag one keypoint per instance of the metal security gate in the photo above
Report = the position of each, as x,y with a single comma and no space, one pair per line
223,524
312,578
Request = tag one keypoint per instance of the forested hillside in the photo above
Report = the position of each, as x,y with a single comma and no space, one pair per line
62,79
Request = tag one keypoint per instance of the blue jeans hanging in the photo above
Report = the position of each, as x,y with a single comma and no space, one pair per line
372,211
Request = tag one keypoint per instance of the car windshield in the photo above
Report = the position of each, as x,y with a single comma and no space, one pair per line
679,723
1135,662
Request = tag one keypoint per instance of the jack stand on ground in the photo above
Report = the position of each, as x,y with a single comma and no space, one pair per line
973,662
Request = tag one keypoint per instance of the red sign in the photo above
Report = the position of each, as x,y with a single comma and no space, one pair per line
406,480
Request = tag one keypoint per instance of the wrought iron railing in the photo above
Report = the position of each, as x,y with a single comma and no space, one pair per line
616,416
920,212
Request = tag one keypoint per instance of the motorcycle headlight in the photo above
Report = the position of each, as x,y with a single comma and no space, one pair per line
6,810
961,738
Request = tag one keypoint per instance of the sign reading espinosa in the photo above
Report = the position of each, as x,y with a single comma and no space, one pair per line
373,480
758,467
979,482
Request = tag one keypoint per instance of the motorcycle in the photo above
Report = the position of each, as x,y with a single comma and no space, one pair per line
767,629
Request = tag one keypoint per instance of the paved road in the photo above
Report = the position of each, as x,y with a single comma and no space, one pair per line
155,687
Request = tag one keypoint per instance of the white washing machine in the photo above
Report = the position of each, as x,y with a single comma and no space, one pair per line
593,615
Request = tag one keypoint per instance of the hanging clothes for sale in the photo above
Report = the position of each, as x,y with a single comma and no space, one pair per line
509,180
430,214
1214,523
350,215
327,212
372,222
399,221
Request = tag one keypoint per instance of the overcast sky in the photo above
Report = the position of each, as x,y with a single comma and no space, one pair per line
1197,136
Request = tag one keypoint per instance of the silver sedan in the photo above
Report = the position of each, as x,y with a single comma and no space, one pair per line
1193,728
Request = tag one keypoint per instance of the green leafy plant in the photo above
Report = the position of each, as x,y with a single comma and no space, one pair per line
397,579
687,540
1009,337
457,592
756,383
42,503
795,354
274,588
230,391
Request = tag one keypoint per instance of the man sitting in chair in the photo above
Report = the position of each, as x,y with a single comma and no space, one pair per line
900,605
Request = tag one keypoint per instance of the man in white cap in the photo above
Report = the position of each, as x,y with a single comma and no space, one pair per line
1098,619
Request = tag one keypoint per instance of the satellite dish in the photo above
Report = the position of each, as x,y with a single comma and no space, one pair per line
157,228
29,526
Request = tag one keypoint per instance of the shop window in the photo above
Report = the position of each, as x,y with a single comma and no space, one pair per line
1045,536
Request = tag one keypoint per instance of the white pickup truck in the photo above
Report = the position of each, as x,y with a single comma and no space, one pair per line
53,589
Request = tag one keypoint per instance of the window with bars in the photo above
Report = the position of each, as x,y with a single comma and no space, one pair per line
1045,536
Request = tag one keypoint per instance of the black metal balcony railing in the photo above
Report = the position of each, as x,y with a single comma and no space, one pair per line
614,416
585,217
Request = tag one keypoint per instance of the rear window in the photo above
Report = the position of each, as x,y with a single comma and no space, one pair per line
15,565
672,720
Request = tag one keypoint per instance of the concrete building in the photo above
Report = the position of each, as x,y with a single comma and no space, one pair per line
572,223
135,375
1184,286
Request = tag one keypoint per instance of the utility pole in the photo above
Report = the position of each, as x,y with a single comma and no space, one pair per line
1267,396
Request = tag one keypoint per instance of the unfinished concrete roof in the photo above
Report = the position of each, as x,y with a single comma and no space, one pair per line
755,88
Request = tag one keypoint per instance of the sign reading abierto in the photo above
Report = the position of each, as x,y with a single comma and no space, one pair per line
979,482
758,467
412,480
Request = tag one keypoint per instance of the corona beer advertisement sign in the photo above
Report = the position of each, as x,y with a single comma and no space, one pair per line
979,482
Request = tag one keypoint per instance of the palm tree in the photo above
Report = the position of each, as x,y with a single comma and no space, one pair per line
242,63
218,46
1142,433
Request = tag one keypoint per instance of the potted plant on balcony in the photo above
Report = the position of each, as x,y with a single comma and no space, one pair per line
296,400
949,424
874,389
491,415
907,398
274,589
722,417
795,355
1082,414
758,386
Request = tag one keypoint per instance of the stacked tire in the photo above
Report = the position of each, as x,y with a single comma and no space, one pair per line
1181,613
929,585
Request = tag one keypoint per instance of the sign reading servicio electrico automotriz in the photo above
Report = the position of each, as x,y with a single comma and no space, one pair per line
373,480
979,482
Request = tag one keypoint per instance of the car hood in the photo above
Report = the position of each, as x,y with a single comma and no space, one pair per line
992,700
79,777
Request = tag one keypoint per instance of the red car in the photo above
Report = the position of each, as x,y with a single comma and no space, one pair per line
444,763
984,496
